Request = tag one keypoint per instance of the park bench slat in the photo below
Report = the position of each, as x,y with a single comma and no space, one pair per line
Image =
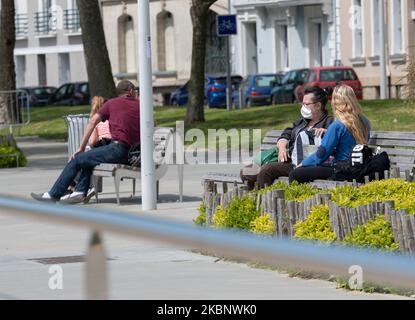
393,135
392,143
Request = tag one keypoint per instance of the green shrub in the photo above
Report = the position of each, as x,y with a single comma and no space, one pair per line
376,233
398,190
238,215
293,191
201,218
316,227
10,162
263,225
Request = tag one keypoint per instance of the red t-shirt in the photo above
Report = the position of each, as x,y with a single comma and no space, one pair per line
123,115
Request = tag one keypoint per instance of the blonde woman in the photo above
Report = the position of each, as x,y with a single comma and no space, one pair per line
101,134
350,128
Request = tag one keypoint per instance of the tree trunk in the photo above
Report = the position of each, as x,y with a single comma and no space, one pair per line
199,13
101,82
7,68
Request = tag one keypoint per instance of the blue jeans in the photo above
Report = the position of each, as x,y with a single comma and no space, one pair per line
85,163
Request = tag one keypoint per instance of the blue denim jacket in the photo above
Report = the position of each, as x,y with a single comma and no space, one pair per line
338,138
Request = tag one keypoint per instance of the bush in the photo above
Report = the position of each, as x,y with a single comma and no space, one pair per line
374,234
398,190
317,226
201,219
10,162
238,215
293,191
263,225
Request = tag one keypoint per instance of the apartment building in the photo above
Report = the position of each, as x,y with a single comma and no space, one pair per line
49,49
281,35
360,30
171,28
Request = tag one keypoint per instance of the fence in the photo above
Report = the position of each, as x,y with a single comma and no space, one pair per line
343,220
14,109
392,270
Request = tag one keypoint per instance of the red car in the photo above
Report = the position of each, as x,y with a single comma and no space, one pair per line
329,77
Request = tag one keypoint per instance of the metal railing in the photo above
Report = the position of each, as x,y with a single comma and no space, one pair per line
14,109
395,270
72,22
22,25
45,22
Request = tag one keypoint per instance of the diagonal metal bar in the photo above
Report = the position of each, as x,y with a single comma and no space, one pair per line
390,269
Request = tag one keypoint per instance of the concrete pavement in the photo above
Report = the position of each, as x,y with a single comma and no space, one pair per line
139,269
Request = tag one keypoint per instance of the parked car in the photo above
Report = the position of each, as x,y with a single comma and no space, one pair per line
215,89
38,96
71,94
285,93
329,77
180,96
256,89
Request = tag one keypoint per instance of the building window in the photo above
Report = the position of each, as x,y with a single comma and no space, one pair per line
166,57
375,28
281,33
126,47
45,18
397,27
72,22
21,19
357,27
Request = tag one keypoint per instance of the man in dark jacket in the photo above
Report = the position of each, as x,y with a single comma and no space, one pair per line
315,119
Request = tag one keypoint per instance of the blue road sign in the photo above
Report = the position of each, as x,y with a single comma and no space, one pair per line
226,25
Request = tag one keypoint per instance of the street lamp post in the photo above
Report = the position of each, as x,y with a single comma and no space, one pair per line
148,182
382,48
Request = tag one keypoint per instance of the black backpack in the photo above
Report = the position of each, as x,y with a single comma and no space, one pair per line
362,163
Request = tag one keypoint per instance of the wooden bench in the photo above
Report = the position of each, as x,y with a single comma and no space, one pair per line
400,147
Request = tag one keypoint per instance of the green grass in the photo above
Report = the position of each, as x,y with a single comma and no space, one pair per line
389,115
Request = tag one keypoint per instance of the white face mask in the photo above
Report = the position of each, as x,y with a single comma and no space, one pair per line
306,113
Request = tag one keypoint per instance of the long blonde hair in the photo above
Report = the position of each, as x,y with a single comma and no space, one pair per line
96,103
347,109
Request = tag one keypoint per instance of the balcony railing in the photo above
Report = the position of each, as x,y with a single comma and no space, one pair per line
22,25
72,23
45,22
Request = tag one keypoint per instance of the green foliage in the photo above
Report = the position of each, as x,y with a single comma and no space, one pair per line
316,227
263,225
238,215
8,146
201,219
374,234
293,191
398,190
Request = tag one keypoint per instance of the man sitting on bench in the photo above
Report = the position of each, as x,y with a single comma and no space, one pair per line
123,114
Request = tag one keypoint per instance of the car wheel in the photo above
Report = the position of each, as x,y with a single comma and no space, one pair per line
174,103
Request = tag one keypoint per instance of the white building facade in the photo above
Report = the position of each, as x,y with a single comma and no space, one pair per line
49,49
281,35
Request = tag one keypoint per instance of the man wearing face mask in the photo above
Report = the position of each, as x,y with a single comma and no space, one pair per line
314,122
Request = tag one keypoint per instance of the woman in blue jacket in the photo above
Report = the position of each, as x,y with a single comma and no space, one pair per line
350,128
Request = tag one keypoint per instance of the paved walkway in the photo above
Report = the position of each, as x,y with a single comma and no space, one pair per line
139,269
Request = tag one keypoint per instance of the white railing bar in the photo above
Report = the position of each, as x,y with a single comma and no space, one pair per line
382,268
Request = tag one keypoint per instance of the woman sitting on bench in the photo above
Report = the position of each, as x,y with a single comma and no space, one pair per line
314,121
350,128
